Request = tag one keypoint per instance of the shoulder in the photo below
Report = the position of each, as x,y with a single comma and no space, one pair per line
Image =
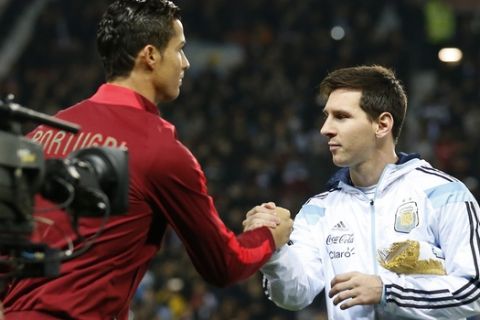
324,197
439,187
425,177
313,210
171,160
166,146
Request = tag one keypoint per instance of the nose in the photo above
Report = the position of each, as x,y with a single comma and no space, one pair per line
327,129
185,62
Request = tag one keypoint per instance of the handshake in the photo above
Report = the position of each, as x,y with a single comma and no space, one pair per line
277,219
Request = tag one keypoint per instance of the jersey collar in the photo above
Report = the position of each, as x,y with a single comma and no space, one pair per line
117,95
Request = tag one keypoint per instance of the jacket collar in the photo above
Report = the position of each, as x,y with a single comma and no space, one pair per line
343,175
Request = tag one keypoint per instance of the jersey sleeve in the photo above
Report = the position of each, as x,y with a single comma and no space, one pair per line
178,189
456,294
294,275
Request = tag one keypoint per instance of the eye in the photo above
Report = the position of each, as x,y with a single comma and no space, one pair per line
341,115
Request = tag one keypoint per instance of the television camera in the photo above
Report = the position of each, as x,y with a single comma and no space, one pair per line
88,182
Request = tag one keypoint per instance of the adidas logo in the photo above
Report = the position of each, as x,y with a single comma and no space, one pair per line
340,227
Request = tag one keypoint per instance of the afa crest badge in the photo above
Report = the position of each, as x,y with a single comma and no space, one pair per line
406,217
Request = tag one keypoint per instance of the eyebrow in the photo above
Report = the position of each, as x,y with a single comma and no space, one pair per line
335,112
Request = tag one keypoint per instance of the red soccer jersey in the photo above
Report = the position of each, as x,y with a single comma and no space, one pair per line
167,187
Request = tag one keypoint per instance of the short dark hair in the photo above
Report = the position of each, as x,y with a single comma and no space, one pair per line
381,91
129,25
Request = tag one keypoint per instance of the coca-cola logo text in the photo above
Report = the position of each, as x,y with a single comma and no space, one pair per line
344,238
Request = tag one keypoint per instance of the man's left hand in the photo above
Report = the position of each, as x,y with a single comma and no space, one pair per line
355,288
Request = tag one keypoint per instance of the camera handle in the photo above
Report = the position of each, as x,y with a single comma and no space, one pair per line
14,111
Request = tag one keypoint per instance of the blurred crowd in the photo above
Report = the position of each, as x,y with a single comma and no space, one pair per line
254,123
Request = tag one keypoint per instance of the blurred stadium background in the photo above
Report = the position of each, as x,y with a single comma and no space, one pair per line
249,109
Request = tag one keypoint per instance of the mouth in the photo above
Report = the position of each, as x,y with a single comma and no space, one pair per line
333,146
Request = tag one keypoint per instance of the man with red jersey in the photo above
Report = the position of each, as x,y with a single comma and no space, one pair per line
141,44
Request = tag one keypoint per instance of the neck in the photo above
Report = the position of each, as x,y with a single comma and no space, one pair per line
368,173
138,83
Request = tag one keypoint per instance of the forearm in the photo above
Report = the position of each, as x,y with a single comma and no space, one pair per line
288,283
431,297
220,257
247,253
223,259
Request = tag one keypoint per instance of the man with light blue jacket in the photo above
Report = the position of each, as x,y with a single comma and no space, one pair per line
392,237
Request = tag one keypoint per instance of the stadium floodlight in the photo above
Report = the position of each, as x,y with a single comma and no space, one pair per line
450,55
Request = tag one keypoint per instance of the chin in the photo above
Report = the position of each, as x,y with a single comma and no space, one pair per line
340,162
171,97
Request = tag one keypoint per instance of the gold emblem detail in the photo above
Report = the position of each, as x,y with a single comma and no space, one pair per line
405,257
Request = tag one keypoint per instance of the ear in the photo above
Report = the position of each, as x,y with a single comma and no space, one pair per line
150,55
384,124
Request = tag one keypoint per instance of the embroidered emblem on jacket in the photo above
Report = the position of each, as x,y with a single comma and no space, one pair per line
406,217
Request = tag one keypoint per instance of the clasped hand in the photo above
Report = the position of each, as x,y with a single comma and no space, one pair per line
277,219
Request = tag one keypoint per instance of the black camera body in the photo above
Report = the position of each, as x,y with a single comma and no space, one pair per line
91,182
22,169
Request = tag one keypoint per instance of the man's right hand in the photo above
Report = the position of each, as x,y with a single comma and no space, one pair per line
281,234
277,219
263,215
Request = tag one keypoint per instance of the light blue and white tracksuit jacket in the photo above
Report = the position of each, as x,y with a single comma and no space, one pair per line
341,230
